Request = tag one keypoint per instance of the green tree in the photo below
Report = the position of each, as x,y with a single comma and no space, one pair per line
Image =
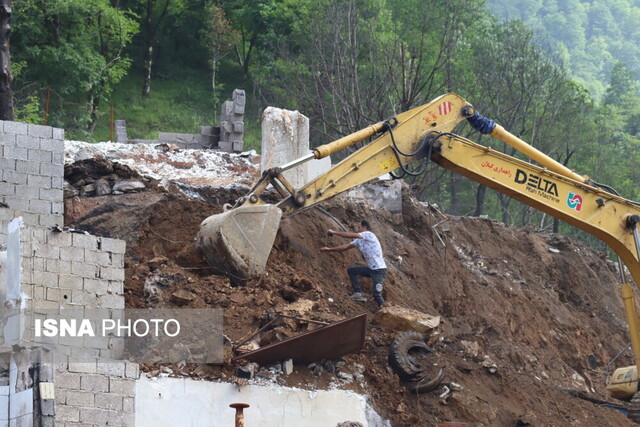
74,47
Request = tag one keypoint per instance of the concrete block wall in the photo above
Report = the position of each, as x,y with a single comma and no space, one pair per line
80,272
31,174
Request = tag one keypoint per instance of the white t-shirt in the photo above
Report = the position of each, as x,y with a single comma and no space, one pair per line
371,250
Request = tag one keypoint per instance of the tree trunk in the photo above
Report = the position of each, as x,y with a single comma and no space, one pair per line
6,95
480,194
148,52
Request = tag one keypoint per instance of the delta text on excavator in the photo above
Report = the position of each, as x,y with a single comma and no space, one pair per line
240,239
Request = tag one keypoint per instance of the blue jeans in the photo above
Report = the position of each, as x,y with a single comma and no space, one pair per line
377,276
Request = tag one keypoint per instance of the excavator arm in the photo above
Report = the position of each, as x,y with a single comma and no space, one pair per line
240,239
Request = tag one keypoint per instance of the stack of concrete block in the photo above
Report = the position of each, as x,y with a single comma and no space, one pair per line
232,123
31,174
121,131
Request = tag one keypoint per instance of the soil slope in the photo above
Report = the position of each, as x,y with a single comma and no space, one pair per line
522,311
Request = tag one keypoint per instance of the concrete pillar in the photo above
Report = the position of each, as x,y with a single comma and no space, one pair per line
285,137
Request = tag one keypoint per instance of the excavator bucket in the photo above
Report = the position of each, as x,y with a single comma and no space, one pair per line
239,241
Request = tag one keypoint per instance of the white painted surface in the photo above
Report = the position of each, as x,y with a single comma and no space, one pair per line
185,402
285,137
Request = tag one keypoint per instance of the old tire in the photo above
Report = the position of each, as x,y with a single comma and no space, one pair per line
400,355
425,385
634,408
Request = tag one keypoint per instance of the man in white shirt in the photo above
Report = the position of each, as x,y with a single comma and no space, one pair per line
371,250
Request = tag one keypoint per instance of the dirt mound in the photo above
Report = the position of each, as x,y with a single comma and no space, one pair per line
522,311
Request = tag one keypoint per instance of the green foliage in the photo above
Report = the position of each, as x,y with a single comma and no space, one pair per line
592,35
346,64
75,48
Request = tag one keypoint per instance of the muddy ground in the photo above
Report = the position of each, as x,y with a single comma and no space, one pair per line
522,311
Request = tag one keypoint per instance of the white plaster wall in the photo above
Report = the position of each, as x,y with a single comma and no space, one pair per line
185,402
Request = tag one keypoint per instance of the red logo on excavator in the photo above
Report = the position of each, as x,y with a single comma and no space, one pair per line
445,108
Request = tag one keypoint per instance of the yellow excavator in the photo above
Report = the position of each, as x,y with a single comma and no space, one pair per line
240,239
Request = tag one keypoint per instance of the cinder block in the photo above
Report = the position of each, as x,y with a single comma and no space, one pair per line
84,241
47,407
15,127
28,141
83,298
111,273
41,207
50,220
50,194
57,159
8,139
53,294
70,253
132,370
83,368
111,301
50,169
116,246
7,163
112,402
70,282
57,208
83,269
61,393
39,181
128,404
57,182
44,250
40,131
17,153
80,398
117,260
57,266
45,278
39,156
16,203
97,416
27,192
96,257
67,413
28,167
58,134
57,145
94,382
112,369
59,239
96,286
14,177
7,189
125,387
115,287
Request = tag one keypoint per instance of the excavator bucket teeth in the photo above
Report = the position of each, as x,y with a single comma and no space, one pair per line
239,241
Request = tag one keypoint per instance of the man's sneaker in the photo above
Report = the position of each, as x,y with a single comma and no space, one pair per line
358,297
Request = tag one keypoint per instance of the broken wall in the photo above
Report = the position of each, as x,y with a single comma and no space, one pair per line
285,137
47,270
31,174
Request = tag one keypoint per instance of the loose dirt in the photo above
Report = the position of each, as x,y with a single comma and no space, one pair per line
519,321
